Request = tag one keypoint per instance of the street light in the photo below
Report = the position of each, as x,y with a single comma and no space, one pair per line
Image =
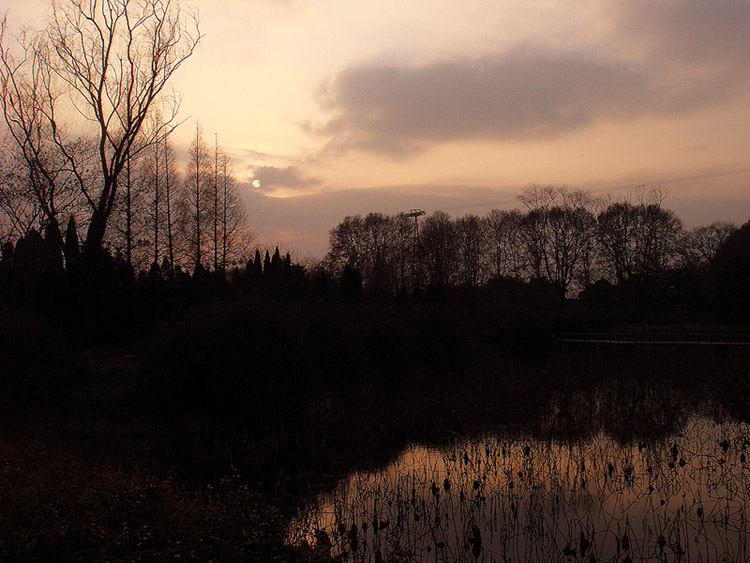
416,213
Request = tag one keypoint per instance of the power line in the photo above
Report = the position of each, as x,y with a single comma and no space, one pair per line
318,233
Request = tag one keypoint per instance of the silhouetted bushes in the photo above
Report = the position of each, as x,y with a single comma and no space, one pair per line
37,365
514,330
263,358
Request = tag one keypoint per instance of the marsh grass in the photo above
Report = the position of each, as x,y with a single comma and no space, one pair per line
516,497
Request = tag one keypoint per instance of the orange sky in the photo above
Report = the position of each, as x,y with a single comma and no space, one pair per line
342,107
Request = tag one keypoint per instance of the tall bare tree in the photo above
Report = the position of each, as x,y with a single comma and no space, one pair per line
41,182
346,245
214,210
20,211
197,197
404,249
171,199
109,60
128,231
235,239
472,246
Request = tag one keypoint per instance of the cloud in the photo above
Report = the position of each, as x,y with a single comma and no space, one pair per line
663,58
695,32
290,177
522,95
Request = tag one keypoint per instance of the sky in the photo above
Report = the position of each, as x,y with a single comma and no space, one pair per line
341,107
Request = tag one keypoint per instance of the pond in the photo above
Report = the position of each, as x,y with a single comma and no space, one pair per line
519,494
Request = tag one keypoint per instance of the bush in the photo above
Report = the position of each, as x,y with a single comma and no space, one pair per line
37,365
268,359
514,331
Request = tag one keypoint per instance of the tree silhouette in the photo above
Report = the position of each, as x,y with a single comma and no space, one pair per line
638,243
438,242
700,246
196,200
472,244
503,232
558,232
115,59
731,266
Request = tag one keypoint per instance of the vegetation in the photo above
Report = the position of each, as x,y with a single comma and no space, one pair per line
170,390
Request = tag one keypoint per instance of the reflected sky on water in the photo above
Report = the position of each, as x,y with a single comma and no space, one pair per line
530,495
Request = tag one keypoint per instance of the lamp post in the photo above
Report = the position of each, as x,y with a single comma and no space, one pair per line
416,213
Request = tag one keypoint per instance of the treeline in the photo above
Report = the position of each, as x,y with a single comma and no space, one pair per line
632,252
160,215
626,254
112,299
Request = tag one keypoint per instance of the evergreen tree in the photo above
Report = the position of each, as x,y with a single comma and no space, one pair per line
266,265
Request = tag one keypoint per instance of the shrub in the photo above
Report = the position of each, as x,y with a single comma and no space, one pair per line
37,365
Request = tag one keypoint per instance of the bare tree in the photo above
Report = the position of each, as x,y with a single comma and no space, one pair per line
346,245
171,181
471,250
380,247
504,242
377,267
437,246
365,244
638,239
558,232
700,245
404,249
156,166
235,238
128,232
20,211
214,209
107,60
40,184
196,197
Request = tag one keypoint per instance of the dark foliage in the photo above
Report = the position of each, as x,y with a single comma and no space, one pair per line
37,368
257,359
732,270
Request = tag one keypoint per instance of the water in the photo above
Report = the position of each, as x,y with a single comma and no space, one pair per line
514,495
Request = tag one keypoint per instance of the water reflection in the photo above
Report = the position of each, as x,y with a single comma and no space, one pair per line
530,496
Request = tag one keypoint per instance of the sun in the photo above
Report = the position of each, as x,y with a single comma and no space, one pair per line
256,183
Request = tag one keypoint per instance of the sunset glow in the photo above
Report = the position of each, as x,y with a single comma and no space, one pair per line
340,108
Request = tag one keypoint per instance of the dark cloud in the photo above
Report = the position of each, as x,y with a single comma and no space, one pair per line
289,177
713,33
697,53
521,95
